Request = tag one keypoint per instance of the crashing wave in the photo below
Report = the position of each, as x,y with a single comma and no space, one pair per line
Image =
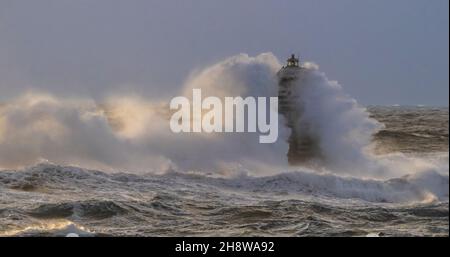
426,186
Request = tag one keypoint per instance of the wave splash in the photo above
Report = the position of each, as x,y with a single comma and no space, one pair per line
129,133
426,186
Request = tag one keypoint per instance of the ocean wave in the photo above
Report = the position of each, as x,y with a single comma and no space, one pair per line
425,186
46,176
422,187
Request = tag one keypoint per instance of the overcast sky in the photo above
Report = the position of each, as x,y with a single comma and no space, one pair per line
382,52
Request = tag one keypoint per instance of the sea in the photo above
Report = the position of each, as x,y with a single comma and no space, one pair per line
49,199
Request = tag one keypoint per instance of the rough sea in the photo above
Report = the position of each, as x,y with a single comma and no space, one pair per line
52,200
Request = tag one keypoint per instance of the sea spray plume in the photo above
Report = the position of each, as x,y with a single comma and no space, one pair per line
342,129
131,133
38,126
212,121
242,76
239,75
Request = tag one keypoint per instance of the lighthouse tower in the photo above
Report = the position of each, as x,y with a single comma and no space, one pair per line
303,145
287,80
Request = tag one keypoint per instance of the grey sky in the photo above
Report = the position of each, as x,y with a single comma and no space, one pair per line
382,52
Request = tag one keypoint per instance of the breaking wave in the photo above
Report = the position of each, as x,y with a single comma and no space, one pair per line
426,186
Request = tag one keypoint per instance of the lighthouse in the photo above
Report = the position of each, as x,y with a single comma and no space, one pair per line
287,80
303,146
292,62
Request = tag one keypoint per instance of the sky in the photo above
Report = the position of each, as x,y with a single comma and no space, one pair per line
381,52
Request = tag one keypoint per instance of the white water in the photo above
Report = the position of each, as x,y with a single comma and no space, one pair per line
129,133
